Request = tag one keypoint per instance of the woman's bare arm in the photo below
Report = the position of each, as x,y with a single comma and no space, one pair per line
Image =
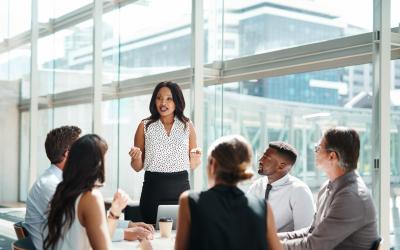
182,231
137,152
91,214
194,151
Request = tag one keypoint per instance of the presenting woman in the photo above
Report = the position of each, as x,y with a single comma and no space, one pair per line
165,146
223,217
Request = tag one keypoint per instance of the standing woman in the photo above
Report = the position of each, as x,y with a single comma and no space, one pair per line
165,146
77,218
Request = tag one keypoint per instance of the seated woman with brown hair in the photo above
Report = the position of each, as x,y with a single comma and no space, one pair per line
223,217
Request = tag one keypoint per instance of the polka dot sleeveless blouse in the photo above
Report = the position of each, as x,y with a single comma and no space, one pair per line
165,153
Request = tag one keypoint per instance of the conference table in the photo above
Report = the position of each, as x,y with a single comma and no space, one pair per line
158,243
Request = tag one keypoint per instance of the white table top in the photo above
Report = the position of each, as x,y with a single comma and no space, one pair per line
157,243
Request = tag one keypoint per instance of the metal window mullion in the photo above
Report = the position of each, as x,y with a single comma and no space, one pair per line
34,87
197,104
97,65
381,115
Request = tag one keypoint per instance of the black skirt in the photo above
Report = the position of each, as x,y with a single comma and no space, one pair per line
161,189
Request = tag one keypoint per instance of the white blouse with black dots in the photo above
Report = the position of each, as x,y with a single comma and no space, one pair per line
165,153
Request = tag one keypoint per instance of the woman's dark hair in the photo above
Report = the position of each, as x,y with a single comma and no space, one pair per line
177,97
83,170
346,143
233,156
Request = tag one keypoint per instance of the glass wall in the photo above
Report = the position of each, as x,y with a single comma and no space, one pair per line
295,108
395,153
143,38
150,41
254,27
51,9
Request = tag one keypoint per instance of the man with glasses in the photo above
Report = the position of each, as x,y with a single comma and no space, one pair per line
345,217
291,200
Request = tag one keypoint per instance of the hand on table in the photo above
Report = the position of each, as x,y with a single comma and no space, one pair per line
149,227
137,233
145,245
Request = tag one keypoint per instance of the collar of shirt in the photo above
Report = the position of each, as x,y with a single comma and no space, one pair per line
160,122
342,180
281,182
56,171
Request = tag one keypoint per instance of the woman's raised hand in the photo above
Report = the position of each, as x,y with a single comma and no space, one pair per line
135,153
119,202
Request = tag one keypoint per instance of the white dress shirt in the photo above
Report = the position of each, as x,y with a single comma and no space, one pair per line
37,205
291,201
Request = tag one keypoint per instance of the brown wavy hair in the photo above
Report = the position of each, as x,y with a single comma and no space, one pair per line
59,140
83,170
233,156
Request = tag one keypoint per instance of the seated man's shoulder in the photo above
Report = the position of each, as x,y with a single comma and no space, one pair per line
46,183
298,184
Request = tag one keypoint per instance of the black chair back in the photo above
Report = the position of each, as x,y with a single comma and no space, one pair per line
23,244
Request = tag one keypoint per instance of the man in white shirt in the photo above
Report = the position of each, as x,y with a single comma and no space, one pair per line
58,142
291,199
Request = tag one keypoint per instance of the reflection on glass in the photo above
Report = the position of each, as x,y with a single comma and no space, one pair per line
297,109
395,154
144,38
19,16
65,59
254,27
50,9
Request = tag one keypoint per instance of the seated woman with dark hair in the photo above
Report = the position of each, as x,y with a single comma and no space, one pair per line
223,217
77,218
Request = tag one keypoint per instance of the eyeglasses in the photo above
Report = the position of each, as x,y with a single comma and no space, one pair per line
318,148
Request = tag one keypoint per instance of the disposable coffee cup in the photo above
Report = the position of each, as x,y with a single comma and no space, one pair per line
165,227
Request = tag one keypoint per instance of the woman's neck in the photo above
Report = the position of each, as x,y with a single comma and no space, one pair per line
221,182
167,120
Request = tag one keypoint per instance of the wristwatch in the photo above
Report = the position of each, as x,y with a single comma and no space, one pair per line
111,215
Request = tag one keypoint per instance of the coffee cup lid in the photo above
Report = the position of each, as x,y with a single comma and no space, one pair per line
165,219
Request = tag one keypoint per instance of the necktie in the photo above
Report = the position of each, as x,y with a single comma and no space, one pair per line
269,187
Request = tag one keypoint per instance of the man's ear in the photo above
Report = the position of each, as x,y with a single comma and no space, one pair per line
285,167
333,155
213,163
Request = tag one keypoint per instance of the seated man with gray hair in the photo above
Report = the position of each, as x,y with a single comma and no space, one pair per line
345,217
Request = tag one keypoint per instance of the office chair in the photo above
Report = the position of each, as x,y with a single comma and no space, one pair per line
20,230
23,244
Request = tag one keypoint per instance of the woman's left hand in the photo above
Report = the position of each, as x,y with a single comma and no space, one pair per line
119,202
